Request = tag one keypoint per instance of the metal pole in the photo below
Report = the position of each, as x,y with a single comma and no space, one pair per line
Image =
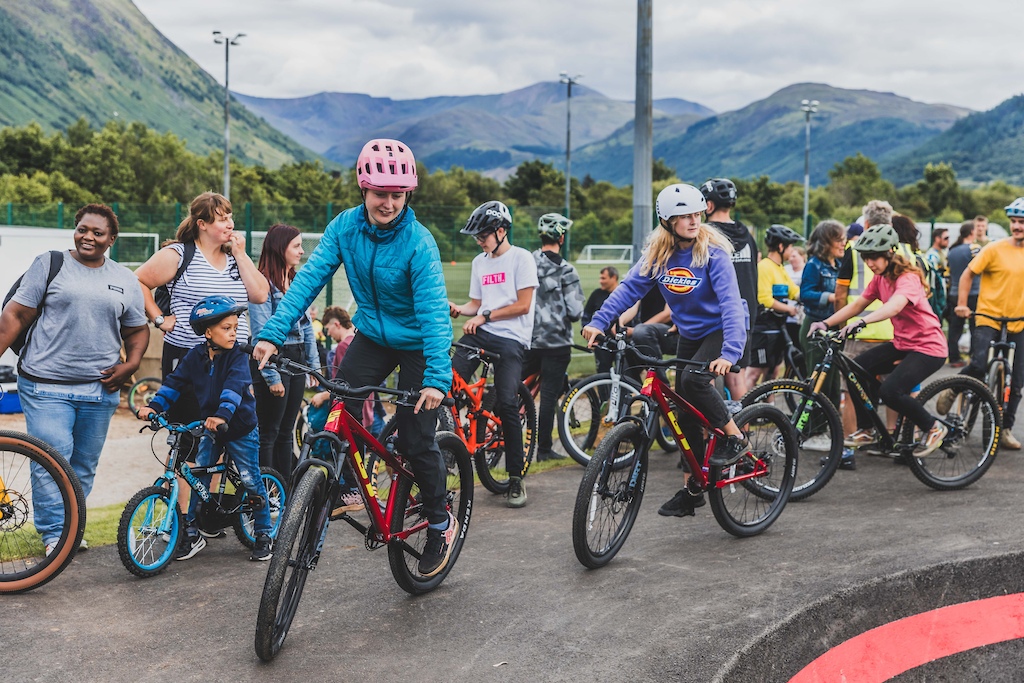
227,120
642,131
568,145
808,107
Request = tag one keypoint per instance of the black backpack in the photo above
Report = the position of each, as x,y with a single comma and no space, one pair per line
162,294
56,261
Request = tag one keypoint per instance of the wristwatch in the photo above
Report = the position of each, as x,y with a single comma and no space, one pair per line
486,315
158,321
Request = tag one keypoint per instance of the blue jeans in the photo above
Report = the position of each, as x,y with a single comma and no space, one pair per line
245,451
73,418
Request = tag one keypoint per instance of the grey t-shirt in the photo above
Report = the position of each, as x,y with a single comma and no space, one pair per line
79,331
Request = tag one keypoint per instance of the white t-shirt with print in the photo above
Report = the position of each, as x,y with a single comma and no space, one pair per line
496,283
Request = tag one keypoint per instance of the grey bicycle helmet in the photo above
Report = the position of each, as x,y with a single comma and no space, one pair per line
877,239
1016,208
553,225
721,191
780,234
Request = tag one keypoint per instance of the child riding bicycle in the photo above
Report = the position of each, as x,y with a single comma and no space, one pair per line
218,373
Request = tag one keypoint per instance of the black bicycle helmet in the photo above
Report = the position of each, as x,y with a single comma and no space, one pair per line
488,217
211,310
780,234
721,191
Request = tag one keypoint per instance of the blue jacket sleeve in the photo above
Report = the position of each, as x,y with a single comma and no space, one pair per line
259,315
430,302
811,293
734,316
633,288
318,271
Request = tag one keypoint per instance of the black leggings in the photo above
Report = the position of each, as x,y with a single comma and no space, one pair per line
277,414
913,369
551,364
700,391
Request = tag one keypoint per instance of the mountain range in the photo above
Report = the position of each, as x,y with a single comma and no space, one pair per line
63,59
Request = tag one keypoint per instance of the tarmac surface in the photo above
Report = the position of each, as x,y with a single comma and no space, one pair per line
683,600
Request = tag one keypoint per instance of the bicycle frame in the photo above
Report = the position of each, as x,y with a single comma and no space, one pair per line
340,428
655,391
1001,351
474,434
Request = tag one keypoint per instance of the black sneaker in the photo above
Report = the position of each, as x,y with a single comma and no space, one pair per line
729,452
682,504
262,551
548,454
189,546
438,547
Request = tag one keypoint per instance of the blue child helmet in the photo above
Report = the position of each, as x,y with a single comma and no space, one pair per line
211,310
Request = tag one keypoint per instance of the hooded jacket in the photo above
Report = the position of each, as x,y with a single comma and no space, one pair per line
396,280
744,259
559,301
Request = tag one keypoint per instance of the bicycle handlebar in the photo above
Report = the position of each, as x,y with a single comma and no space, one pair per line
157,421
343,389
696,365
482,354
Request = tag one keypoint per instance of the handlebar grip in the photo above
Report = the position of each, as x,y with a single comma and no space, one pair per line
448,401
247,349
222,428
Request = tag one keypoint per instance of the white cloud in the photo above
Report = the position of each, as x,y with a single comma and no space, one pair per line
724,54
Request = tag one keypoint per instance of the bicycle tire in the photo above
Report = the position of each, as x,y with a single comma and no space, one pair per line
143,549
578,431
301,425
995,380
142,392
490,458
815,468
24,564
609,496
407,512
970,449
746,507
666,441
277,497
296,551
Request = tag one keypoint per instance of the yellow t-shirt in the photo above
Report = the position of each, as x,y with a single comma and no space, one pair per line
1001,267
770,273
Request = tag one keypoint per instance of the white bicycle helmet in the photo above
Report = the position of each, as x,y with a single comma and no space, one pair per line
680,200
1016,208
554,225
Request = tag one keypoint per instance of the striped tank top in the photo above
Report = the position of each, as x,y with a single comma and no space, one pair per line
201,280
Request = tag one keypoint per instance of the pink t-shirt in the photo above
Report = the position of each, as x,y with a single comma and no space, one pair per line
916,328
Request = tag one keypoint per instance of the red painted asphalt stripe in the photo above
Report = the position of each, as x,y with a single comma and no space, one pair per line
887,651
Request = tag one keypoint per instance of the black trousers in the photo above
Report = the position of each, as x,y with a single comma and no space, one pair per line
276,414
956,325
699,391
981,337
368,363
551,364
508,374
913,369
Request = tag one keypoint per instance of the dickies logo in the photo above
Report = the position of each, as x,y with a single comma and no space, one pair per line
679,281
493,279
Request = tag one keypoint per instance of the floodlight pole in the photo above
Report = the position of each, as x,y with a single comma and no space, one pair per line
642,131
569,81
219,38
808,107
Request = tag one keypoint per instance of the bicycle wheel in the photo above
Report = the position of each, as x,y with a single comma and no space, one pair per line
969,449
749,496
996,382
145,549
296,551
819,430
664,437
29,466
301,425
490,458
408,515
277,496
142,392
584,417
609,496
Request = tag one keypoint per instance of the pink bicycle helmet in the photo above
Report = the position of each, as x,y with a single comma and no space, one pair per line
388,166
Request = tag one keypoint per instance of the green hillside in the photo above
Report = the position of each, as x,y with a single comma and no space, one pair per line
981,147
767,137
101,59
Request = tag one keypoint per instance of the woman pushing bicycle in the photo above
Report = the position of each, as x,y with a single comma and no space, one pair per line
919,346
691,263
393,268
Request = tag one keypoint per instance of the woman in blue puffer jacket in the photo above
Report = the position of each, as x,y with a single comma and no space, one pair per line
394,270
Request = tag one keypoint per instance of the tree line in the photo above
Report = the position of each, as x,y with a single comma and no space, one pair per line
129,163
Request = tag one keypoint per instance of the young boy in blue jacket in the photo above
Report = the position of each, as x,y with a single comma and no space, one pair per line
218,373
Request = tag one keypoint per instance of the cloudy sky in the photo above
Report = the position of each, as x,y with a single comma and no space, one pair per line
723,54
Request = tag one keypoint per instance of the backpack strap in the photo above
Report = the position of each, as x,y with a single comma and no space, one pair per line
56,262
188,252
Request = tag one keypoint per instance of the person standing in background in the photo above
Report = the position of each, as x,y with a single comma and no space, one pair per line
960,254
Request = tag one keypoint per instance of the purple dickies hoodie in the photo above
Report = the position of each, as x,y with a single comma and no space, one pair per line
702,299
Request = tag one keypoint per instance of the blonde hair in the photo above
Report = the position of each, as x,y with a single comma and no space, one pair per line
662,244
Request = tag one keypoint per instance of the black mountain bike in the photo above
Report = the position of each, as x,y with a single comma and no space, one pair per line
999,366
